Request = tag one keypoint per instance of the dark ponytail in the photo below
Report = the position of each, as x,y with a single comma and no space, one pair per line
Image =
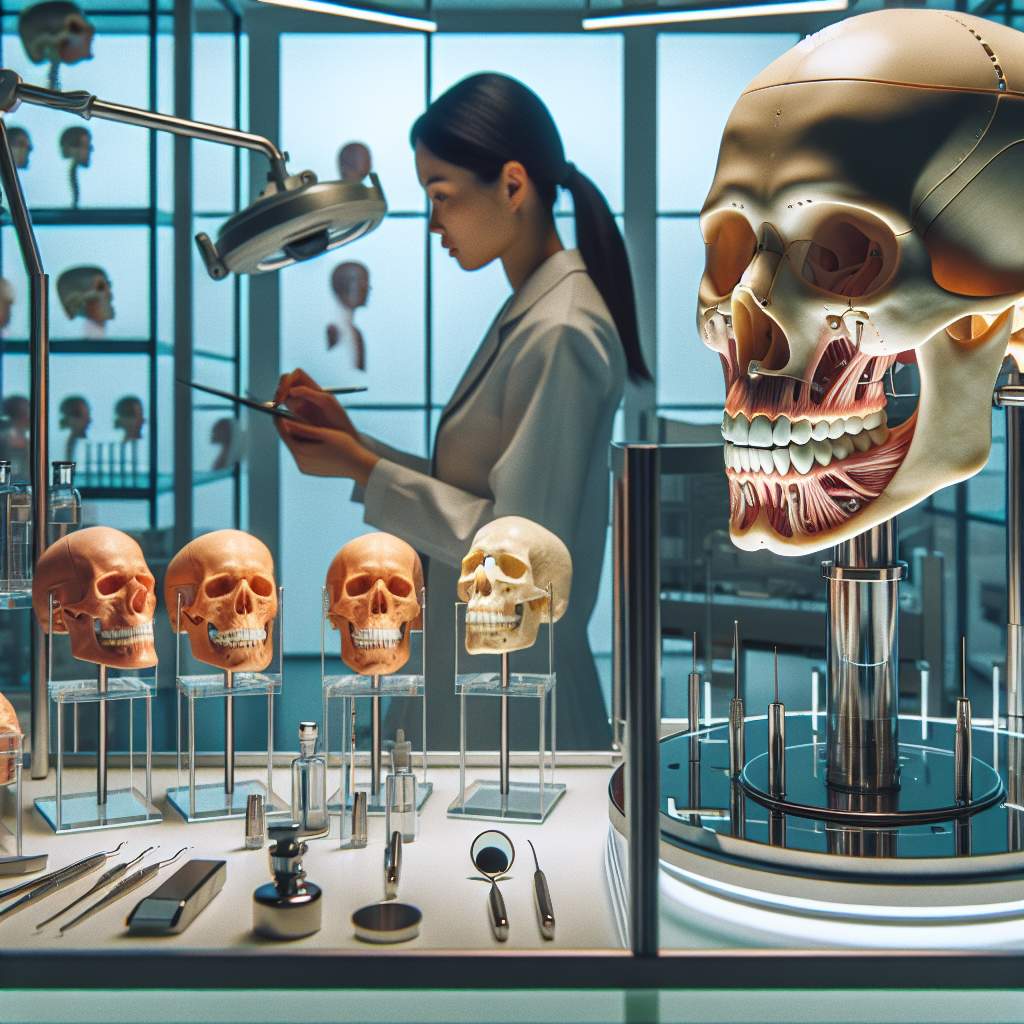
486,120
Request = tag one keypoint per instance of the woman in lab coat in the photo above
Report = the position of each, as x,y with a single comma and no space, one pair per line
527,429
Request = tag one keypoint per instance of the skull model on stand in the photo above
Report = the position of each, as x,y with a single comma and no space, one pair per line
228,599
504,581
104,597
86,292
866,209
374,585
55,32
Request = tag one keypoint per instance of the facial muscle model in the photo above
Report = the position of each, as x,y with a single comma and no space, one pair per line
228,599
55,32
374,585
104,597
504,581
864,210
85,292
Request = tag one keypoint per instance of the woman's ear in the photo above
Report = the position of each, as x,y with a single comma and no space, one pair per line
514,181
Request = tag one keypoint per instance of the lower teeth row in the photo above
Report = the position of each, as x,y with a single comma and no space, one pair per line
801,458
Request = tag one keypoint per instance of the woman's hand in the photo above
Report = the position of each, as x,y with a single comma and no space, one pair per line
322,451
304,397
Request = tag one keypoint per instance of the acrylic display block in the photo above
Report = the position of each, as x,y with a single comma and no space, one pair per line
196,801
83,812
10,773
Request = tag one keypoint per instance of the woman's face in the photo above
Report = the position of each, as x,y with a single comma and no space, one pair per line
476,221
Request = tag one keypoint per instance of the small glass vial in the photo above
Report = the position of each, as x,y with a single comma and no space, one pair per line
400,791
18,537
65,503
309,784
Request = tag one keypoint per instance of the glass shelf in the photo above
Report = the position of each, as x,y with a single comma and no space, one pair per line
362,686
89,346
488,684
15,600
245,684
90,488
86,691
96,216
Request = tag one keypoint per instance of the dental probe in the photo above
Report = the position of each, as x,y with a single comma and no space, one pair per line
545,910
106,878
125,886
57,880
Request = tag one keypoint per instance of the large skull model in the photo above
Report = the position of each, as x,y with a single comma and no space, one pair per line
866,208
104,597
374,584
504,582
55,32
228,599
85,291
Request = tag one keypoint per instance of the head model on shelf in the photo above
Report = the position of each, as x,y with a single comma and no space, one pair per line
350,282
354,161
374,586
228,599
85,291
129,417
6,303
104,597
76,147
505,581
55,32
21,146
865,212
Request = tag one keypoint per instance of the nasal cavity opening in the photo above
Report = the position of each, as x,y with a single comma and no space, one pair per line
758,337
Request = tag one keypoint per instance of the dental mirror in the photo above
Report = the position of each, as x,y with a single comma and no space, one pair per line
493,854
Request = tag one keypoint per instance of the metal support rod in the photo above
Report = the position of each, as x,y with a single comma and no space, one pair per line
737,724
39,375
693,703
642,588
777,740
101,738
1011,398
962,748
375,744
618,614
503,749
229,735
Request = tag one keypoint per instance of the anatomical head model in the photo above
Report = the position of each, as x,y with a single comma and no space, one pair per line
21,146
354,161
228,599
76,147
374,586
6,302
55,32
504,581
129,417
104,597
865,209
85,292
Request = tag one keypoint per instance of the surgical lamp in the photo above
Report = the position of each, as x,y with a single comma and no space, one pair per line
294,219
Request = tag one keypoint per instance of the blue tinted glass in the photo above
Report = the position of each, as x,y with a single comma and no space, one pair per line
579,77
687,371
213,101
354,87
700,77
213,505
165,413
328,316
165,104
317,519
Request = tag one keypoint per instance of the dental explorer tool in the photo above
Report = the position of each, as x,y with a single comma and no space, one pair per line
542,898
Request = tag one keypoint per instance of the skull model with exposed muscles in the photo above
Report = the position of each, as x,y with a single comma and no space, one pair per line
55,32
865,208
104,597
228,599
504,582
374,585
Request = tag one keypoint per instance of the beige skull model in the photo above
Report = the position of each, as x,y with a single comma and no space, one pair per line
504,582
104,597
374,585
865,208
86,292
55,32
228,599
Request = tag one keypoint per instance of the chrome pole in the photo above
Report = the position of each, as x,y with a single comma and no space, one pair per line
101,739
503,750
737,716
229,735
376,745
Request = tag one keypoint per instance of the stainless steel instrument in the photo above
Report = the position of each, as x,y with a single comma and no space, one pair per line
542,899
493,854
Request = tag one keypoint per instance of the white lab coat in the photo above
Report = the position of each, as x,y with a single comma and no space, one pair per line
525,433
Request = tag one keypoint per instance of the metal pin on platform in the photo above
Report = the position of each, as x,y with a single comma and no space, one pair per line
737,747
962,753
693,719
777,740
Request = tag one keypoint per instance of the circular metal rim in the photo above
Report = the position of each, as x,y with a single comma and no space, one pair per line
511,847
846,574
408,928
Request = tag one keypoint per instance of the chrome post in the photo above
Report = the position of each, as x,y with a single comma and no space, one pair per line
229,735
101,738
777,740
376,745
618,613
962,748
503,739
737,725
693,709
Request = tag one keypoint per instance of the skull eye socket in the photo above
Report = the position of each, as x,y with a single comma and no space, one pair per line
357,586
261,586
847,256
512,566
472,562
111,583
731,244
399,586
219,586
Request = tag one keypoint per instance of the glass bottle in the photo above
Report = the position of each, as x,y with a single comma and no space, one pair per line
6,492
400,791
18,536
65,503
309,784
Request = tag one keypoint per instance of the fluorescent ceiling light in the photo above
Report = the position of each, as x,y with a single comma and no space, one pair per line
359,13
637,19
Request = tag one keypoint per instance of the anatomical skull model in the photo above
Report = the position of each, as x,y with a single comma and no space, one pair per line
85,292
55,32
228,599
76,147
6,303
374,585
865,209
504,582
104,597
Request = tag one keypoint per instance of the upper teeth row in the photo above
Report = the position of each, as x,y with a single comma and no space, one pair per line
376,637
237,637
124,634
761,432
475,618
801,457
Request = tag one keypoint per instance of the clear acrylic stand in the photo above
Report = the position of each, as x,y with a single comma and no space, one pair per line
504,799
351,688
10,774
103,807
227,799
